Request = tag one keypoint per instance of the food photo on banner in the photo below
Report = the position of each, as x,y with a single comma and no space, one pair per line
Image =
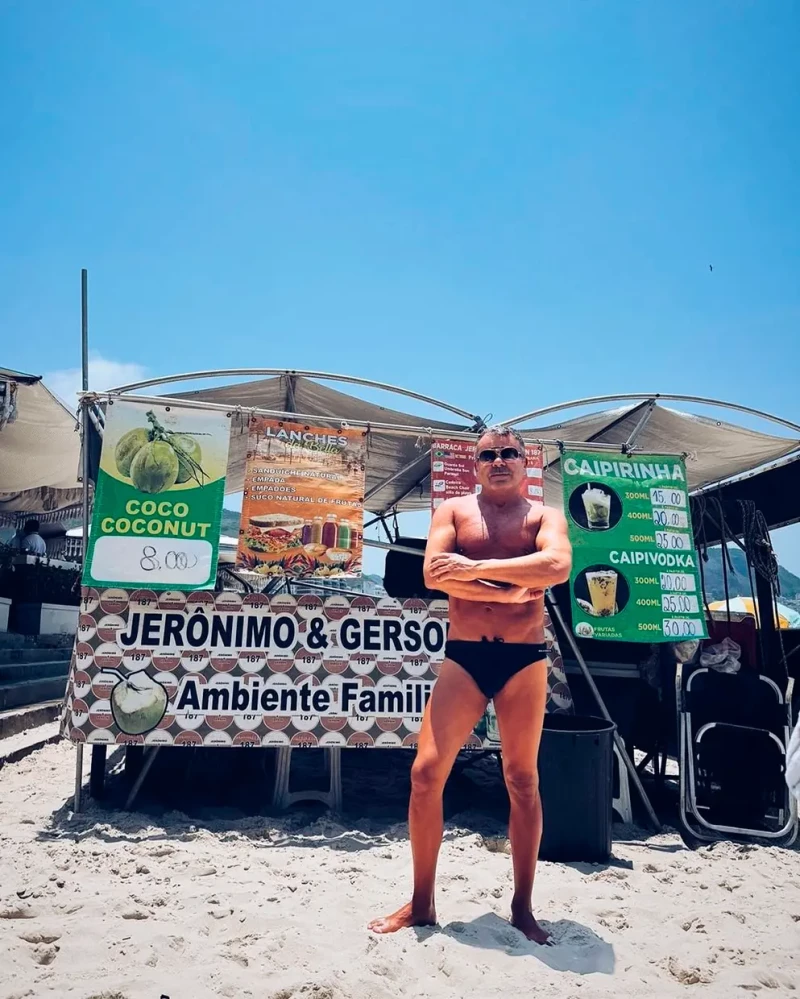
232,670
158,498
303,504
635,574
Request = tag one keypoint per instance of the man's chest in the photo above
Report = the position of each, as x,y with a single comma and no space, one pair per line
496,534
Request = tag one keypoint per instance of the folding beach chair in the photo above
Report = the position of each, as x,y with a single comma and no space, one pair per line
733,731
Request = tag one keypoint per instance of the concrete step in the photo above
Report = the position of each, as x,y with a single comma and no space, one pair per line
29,718
17,672
16,747
26,692
33,655
13,640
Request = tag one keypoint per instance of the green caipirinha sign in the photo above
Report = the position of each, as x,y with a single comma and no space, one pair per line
158,500
635,567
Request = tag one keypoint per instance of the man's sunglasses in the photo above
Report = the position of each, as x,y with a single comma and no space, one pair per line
489,454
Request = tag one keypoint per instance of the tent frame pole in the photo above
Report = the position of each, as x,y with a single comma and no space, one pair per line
647,396
295,373
399,430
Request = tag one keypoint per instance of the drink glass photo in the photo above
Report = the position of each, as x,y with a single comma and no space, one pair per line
603,591
597,504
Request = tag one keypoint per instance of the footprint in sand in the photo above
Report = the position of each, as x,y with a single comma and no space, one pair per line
45,953
39,937
16,911
510,938
609,875
613,920
695,924
689,976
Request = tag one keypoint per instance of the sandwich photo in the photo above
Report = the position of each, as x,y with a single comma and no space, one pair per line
273,533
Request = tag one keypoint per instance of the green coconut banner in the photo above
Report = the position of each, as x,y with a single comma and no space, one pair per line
635,567
158,498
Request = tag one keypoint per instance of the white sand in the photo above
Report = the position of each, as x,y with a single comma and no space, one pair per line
120,906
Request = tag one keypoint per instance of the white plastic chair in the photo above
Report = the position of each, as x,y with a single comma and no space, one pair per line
283,798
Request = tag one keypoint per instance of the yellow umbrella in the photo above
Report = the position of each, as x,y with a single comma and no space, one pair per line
787,618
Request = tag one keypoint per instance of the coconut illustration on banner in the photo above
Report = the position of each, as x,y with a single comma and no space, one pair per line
154,458
138,702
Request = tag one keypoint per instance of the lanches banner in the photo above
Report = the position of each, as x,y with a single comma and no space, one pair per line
453,471
303,506
635,567
158,500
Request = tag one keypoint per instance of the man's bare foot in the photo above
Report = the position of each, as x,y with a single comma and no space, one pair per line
526,924
409,915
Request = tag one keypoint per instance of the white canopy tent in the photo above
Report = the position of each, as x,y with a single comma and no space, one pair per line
398,466
39,451
715,450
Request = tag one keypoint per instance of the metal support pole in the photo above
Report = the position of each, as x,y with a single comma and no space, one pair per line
631,441
634,776
76,803
85,403
85,329
391,547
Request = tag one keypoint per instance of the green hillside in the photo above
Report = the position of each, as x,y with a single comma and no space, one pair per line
739,580
230,523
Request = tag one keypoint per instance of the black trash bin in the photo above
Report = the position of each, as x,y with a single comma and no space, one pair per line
576,774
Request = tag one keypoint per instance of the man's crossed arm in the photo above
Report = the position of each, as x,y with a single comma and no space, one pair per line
548,566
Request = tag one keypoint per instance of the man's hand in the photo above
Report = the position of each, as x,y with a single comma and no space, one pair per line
448,565
520,595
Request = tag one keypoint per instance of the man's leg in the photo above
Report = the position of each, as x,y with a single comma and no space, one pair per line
520,707
453,710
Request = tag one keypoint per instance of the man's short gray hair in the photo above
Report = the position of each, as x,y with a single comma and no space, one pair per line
500,430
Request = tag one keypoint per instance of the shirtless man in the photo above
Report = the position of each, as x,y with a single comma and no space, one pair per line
493,554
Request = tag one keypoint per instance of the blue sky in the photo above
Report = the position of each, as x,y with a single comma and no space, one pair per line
501,205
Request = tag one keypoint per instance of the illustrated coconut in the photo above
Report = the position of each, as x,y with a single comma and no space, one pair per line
138,702
154,458
188,451
128,446
155,467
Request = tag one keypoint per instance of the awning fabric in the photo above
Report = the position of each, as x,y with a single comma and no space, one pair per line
714,450
388,453
39,453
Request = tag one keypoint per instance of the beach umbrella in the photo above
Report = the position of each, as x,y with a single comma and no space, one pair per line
787,618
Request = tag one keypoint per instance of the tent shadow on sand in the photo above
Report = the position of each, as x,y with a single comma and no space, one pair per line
574,948
231,792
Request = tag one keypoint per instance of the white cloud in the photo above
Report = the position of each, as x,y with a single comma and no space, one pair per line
103,374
